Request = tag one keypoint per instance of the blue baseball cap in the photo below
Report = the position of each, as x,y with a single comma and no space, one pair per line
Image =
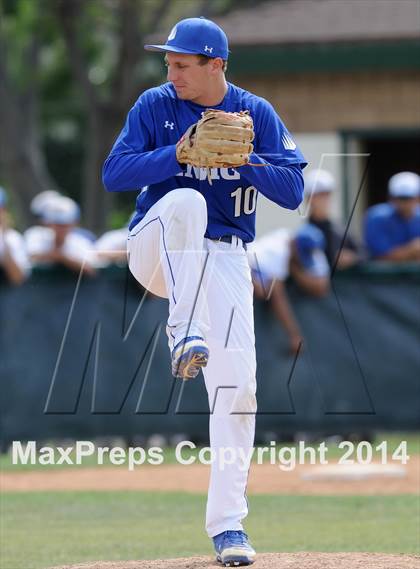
195,36
3,197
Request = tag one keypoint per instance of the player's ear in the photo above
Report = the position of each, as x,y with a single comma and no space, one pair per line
216,64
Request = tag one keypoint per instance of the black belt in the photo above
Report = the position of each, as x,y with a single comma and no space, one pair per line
230,239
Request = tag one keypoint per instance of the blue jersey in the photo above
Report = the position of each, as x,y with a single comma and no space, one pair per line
144,158
385,229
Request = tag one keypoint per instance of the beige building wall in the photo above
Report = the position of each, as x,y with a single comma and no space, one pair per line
325,102
315,107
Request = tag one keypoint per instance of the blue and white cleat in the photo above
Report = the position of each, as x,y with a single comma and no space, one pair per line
233,549
189,356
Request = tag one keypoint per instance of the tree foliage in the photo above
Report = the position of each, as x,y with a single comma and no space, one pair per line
69,72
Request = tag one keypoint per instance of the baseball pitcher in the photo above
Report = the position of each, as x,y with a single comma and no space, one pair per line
200,149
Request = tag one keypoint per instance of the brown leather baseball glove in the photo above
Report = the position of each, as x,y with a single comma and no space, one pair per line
218,140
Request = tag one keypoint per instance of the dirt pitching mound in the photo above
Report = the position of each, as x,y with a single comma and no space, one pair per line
273,561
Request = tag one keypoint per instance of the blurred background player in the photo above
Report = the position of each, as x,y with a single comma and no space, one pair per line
340,248
392,229
14,262
56,242
320,244
43,200
269,259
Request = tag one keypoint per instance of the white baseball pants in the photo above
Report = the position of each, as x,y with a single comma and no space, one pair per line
208,284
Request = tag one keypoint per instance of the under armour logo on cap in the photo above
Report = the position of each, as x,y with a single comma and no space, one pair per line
209,49
172,34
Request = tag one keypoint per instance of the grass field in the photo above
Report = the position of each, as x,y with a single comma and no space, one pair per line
43,529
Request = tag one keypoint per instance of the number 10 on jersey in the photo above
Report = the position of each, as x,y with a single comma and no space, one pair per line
245,200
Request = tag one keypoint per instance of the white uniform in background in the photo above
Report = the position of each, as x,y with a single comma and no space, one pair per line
17,249
269,256
112,243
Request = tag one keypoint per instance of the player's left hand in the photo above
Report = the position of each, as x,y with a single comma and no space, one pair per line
218,140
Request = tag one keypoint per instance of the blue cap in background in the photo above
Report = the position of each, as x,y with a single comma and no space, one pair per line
195,36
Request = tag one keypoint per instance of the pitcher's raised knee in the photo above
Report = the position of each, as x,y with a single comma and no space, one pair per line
188,207
185,219
188,200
